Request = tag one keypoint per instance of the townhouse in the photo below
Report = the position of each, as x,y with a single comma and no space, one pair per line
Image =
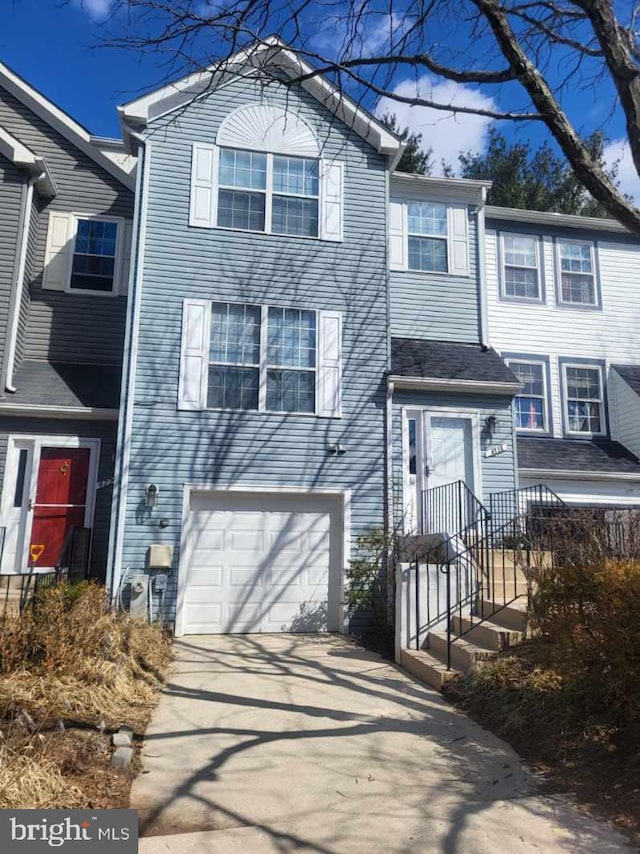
294,342
67,206
563,297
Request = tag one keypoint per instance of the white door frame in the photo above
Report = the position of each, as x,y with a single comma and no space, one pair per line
34,445
343,495
411,505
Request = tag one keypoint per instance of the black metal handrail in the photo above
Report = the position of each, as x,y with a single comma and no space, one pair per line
511,504
17,590
450,509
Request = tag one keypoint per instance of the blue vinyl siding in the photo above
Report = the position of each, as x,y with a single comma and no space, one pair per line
498,472
171,448
437,306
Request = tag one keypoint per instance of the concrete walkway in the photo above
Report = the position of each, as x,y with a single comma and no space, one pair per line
276,743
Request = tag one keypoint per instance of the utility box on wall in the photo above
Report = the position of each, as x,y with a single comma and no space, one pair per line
139,596
159,556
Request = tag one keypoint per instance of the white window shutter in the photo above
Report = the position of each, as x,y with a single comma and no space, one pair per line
127,234
458,241
204,198
330,364
194,354
332,201
397,236
58,251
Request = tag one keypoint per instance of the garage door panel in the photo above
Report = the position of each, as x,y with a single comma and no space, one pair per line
207,577
259,562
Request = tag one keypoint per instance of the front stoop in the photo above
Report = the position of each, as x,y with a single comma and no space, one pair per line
481,643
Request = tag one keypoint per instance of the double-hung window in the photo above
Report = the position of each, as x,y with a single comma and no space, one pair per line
583,399
242,356
577,273
234,364
87,254
291,360
531,402
521,268
94,256
269,193
427,228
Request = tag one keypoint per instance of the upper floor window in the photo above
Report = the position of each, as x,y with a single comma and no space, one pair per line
263,358
577,273
583,399
428,237
427,234
94,256
521,267
531,402
265,174
87,254
268,192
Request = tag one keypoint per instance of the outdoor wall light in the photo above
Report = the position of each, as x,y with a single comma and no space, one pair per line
337,448
151,496
490,424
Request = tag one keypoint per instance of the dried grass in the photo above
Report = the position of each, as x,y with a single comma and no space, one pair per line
70,658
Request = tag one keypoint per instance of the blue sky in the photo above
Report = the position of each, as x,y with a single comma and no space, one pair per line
54,44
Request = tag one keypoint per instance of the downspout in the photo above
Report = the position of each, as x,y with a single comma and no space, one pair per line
389,450
483,306
18,284
127,388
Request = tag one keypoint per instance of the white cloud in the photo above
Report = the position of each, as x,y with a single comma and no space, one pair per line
618,150
96,9
446,133
387,30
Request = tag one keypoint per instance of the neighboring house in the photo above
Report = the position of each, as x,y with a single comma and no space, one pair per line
254,427
564,312
451,394
67,205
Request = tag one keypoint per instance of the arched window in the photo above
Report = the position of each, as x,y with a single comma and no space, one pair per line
265,175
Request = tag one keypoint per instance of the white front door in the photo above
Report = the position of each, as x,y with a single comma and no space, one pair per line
440,449
449,450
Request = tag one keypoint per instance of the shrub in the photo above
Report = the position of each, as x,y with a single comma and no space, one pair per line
590,613
367,580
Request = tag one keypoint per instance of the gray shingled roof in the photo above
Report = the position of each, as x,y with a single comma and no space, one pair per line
65,384
630,374
450,361
595,455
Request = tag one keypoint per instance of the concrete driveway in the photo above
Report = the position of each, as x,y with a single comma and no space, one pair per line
274,743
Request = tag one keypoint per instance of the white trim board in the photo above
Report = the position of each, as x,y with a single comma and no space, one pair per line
37,411
269,50
568,474
61,122
437,384
343,495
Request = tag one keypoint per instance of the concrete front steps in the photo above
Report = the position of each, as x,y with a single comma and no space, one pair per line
504,627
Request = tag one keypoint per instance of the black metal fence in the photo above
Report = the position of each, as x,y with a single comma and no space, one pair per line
487,558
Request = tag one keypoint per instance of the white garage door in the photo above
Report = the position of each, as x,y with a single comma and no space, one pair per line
260,563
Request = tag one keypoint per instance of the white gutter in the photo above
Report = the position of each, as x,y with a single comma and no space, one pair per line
438,384
130,355
17,286
556,219
579,475
483,300
34,410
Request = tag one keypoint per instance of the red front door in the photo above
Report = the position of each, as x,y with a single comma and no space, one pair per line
61,501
